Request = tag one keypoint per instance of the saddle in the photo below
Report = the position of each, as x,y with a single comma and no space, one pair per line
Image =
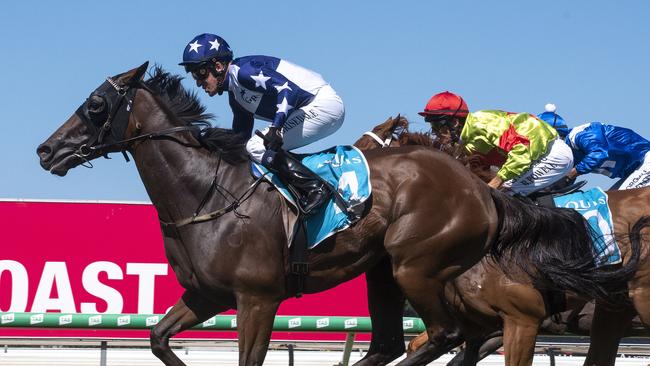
545,196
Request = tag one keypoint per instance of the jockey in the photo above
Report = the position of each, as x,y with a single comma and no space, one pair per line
301,107
528,152
613,151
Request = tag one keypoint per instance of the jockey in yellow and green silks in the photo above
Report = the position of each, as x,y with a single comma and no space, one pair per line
526,150
512,141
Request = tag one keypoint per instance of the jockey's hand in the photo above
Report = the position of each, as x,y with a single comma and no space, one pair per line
273,139
496,182
572,174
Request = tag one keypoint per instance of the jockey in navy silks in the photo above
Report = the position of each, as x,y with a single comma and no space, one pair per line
613,151
301,106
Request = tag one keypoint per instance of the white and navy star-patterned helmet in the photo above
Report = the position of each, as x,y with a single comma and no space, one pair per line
206,47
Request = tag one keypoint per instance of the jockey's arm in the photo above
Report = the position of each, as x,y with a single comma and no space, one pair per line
242,120
594,147
286,95
517,162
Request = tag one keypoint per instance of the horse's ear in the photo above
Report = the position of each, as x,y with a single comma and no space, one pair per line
133,75
139,73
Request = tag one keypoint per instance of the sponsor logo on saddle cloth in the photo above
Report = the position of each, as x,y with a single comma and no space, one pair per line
343,167
592,205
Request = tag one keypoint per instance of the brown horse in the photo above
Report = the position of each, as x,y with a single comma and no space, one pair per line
484,299
394,132
430,220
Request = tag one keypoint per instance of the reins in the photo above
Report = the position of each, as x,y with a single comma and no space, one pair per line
95,146
232,206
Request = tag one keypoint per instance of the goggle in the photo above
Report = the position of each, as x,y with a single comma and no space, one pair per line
200,72
437,118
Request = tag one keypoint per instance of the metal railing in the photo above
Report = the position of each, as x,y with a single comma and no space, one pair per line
350,325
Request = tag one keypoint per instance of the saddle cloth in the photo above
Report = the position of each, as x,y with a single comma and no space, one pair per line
344,168
592,205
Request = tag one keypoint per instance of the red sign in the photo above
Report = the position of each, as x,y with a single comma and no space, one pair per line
76,257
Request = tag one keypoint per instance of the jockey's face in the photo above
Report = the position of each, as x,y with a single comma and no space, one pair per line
205,78
445,127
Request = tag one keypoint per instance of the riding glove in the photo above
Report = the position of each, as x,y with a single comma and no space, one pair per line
273,139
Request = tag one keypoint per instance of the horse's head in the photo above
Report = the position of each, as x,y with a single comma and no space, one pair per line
383,135
103,118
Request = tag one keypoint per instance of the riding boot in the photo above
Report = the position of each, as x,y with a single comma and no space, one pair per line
311,189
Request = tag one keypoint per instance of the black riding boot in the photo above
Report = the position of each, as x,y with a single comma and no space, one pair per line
310,188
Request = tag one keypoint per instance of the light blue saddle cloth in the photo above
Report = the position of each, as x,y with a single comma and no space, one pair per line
592,205
344,168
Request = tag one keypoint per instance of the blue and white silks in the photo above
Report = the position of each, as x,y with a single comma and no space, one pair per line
343,167
593,206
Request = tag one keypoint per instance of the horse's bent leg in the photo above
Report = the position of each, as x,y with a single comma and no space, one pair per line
423,284
255,317
417,342
191,309
519,337
430,351
490,345
386,306
607,329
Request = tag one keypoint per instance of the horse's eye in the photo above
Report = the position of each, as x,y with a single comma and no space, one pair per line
95,104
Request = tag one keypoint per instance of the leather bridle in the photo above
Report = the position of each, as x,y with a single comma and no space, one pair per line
383,143
115,124
116,121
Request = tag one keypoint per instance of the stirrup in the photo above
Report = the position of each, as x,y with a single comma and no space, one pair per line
309,208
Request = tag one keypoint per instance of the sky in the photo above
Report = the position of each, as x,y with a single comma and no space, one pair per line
590,58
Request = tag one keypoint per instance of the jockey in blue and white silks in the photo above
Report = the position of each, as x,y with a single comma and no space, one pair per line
613,151
301,106
292,98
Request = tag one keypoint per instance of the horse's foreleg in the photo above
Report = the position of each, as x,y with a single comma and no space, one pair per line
429,351
519,337
190,310
426,295
417,342
607,329
255,317
490,345
386,306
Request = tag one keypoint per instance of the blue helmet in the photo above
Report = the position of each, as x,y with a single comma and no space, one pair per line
206,47
555,120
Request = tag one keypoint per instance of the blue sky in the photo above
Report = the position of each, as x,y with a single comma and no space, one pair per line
591,58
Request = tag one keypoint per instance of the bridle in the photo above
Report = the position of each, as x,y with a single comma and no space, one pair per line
121,113
383,143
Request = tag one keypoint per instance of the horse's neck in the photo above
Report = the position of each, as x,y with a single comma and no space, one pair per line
177,177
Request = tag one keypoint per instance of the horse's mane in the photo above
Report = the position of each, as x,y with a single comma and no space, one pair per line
474,162
186,106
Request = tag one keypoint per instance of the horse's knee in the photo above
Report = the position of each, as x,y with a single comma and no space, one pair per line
159,341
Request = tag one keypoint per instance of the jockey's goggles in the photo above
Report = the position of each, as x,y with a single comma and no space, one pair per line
437,118
199,72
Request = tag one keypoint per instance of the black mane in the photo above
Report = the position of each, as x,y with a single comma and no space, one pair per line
187,107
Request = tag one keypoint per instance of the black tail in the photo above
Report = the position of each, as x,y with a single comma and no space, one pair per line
554,247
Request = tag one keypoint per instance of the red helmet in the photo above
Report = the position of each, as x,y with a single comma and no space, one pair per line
446,103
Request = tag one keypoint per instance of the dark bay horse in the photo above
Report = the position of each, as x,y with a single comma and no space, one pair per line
430,221
485,300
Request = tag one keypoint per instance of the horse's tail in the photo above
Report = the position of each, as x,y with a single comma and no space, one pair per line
554,247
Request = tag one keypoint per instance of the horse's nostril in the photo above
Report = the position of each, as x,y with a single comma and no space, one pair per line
44,151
